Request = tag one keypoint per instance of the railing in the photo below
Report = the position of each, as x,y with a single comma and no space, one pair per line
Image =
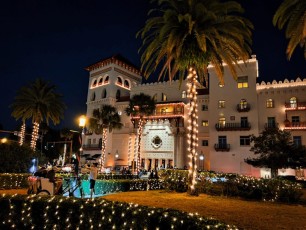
222,147
243,108
92,147
164,114
296,106
295,125
233,126
271,125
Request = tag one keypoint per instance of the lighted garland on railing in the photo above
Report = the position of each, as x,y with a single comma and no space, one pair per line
45,212
34,135
192,136
22,134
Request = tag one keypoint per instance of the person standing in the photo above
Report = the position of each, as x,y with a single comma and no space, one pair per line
92,178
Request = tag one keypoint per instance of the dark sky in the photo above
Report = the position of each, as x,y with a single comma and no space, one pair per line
56,39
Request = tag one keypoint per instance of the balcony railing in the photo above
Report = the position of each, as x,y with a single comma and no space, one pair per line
164,114
222,147
295,125
271,125
243,107
296,106
92,147
233,126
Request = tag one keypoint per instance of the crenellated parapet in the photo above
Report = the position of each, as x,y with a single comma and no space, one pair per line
281,84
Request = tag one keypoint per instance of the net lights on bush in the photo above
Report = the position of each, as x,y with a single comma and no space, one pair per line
192,137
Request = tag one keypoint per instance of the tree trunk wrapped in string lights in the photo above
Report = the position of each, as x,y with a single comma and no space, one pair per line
34,135
104,139
139,134
192,130
22,134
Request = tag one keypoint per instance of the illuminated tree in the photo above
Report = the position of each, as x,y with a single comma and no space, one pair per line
185,36
38,101
106,118
141,106
292,14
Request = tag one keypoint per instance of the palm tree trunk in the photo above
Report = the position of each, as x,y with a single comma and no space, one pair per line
22,133
193,131
34,135
104,139
139,134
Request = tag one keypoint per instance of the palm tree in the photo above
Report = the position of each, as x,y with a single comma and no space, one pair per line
293,14
106,118
38,101
185,36
67,135
141,106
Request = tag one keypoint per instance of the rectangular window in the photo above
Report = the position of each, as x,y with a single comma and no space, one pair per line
295,121
205,123
244,140
221,104
204,107
222,142
297,140
242,82
269,103
204,142
244,122
271,122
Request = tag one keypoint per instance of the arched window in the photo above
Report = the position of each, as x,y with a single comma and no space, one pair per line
106,80
118,93
100,81
164,97
184,95
126,84
94,83
119,81
270,103
293,102
93,96
154,97
104,93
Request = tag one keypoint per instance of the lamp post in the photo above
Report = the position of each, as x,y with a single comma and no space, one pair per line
202,161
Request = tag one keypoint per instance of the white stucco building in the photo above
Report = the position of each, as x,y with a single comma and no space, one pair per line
228,114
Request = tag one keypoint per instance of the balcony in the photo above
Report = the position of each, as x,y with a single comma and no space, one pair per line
243,108
222,147
92,147
233,126
297,106
271,125
295,126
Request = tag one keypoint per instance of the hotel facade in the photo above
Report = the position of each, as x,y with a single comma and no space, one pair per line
228,115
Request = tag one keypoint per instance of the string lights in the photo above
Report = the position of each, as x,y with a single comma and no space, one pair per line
192,136
34,135
139,134
22,134
104,138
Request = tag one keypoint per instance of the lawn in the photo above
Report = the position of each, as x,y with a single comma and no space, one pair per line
244,214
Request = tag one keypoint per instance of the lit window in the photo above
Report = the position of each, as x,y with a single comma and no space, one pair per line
204,107
269,103
164,97
293,102
243,104
245,141
205,123
204,142
242,82
184,94
155,97
221,104
297,140
221,122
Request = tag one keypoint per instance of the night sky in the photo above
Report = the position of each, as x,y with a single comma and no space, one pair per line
56,39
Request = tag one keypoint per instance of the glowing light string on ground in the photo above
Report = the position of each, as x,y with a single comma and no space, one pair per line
34,135
192,137
22,134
